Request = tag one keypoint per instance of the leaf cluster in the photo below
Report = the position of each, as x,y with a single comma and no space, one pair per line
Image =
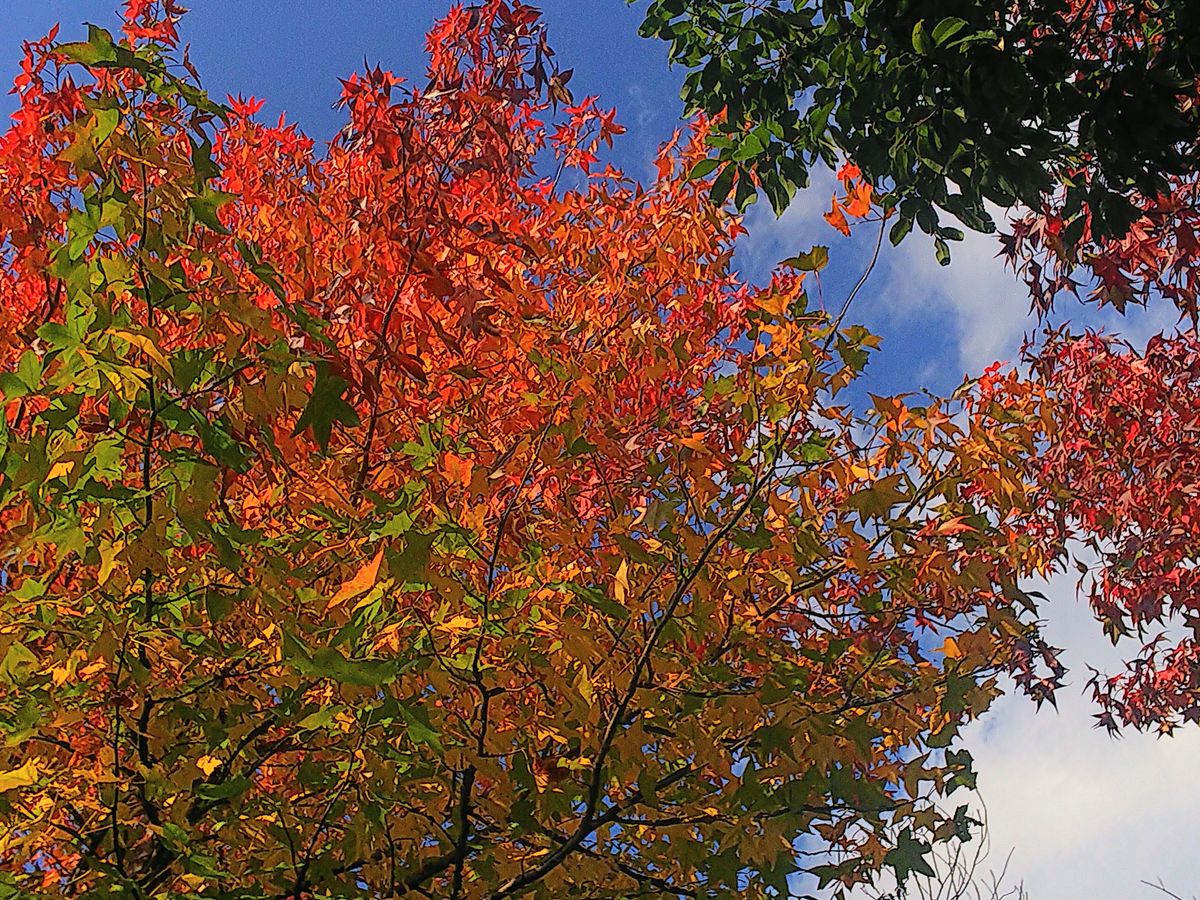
948,106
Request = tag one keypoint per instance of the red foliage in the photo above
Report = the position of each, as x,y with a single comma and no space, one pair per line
1158,257
1070,243
1122,473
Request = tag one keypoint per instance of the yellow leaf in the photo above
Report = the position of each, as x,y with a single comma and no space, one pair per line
546,732
363,581
108,559
584,683
60,674
950,649
144,344
207,764
458,624
622,584
19,778
59,469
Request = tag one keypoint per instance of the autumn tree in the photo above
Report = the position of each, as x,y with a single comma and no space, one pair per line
385,519
1118,480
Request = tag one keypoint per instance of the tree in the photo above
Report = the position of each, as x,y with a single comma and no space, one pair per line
389,520
948,106
1118,472
1057,250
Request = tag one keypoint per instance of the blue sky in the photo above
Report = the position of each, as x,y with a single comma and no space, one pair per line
1088,817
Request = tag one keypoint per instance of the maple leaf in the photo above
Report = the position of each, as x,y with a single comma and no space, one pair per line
361,582
908,856
837,218
326,406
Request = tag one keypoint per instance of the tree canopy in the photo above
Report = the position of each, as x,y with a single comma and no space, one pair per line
389,519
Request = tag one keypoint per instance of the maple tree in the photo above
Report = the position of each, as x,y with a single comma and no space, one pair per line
1115,465
1118,473
1064,240
387,519
1057,251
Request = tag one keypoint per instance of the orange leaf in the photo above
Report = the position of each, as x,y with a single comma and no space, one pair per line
458,624
849,172
411,365
363,581
859,200
951,650
457,469
837,218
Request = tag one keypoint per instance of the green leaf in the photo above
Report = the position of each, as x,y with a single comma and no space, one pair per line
598,600
419,728
222,446
218,603
411,563
99,48
252,255
758,539
322,718
942,251
900,229
723,184
752,145
203,865
326,406
943,738
703,168
908,856
648,788
18,664
579,447
205,206
813,261
920,39
947,28
329,662
29,369
175,836
12,387
224,790
746,193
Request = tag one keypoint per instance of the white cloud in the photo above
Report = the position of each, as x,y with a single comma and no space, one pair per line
1086,815
989,306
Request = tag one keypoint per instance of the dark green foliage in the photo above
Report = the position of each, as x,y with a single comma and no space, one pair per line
945,104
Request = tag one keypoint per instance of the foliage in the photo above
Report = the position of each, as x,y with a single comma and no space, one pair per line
389,519
1119,472
947,105
1056,251
956,871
